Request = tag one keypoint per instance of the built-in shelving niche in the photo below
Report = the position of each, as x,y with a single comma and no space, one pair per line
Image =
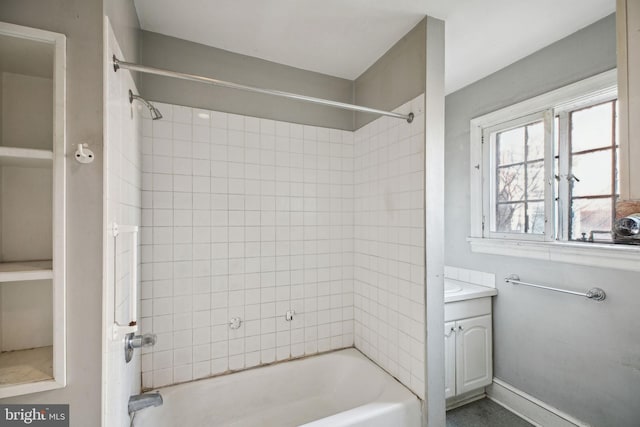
32,321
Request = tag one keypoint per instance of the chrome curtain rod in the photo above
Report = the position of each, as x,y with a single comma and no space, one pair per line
595,294
117,64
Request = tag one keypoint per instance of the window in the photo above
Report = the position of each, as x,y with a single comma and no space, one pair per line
546,169
520,179
587,137
580,204
515,155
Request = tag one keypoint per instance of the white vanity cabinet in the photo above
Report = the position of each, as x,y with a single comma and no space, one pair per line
468,355
468,341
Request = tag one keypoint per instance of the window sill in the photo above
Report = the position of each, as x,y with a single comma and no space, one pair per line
622,257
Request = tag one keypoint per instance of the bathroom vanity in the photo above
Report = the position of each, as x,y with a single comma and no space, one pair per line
468,341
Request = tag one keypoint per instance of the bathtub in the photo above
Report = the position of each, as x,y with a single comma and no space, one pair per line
341,388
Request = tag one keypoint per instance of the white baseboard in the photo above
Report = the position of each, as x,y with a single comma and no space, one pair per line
457,401
529,408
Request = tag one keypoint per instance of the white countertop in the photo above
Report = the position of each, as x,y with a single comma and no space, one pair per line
455,290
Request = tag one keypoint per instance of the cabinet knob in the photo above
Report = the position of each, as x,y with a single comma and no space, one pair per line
460,328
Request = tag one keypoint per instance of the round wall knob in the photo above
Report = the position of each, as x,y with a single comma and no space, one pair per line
235,323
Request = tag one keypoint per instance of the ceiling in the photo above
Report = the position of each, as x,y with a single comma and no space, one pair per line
344,37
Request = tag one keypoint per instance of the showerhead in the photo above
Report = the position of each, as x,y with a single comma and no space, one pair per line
155,113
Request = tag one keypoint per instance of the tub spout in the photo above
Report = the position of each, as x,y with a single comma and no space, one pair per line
141,401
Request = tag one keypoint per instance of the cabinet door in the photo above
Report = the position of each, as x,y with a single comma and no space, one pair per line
628,29
449,359
473,354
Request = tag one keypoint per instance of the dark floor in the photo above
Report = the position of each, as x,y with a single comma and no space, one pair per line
484,413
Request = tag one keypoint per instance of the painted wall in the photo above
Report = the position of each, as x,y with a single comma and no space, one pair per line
243,217
180,55
434,112
28,123
27,304
126,28
26,96
396,77
81,22
576,355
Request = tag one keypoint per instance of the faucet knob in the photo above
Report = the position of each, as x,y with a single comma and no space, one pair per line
146,340
131,342
235,323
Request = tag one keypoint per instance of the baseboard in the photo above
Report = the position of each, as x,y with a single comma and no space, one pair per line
457,401
528,407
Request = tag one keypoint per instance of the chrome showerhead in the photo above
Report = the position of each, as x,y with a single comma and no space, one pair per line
155,113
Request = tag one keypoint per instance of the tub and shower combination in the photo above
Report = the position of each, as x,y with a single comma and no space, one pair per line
337,389
333,389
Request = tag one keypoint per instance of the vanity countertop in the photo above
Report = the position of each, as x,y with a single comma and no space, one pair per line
455,290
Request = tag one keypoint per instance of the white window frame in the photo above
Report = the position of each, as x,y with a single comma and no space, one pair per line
544,247
563,111
488,203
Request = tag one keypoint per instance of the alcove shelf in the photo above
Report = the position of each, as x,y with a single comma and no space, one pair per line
26,366
25,270
32,210
25,157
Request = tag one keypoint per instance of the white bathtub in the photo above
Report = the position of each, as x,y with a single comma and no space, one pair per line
337,389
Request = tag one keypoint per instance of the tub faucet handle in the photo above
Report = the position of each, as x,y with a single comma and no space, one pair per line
132,341
146,340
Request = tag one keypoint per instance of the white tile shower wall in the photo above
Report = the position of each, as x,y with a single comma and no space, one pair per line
389,245
249,218
123,203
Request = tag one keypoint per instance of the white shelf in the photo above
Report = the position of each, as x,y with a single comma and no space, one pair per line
12,156
26,270
26,366
33,200
26,371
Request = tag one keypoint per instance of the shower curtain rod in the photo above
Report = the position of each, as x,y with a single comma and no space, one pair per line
117,64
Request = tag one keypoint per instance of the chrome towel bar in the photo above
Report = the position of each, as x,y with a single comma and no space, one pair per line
595,294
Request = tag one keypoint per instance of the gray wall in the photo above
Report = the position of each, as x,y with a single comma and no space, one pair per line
126,26
81,21
397,77
577,355
180,55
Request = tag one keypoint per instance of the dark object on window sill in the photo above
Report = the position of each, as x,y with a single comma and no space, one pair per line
626,230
